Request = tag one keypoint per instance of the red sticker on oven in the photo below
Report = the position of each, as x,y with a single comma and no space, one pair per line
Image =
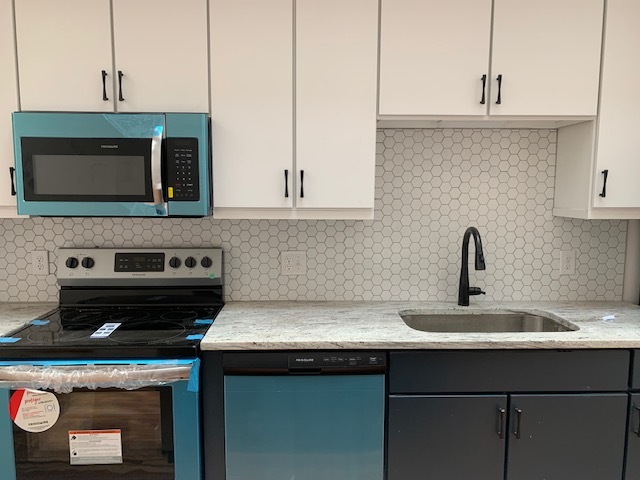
34,411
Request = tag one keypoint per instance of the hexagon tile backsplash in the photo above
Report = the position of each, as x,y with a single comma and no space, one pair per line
430,186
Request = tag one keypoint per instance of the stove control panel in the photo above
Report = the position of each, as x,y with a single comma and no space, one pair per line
104,266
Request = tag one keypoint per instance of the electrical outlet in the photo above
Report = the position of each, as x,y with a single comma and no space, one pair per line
40,262
293,263
567,262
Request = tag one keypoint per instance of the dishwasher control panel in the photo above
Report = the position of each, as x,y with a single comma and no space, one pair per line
328,360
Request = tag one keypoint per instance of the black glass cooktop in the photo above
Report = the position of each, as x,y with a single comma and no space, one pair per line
111,332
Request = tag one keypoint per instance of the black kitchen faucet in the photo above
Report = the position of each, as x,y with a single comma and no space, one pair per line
465,290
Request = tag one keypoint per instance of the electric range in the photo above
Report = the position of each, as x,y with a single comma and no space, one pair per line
126,303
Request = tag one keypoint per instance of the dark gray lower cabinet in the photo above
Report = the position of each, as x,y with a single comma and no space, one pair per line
447,437
633,444
560,437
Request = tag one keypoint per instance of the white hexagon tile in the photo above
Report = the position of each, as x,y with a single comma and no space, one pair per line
430,186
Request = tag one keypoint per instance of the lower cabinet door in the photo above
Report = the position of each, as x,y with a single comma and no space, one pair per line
633,445
447,437
561,437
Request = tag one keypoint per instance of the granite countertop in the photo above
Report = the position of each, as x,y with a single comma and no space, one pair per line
377,325
15,315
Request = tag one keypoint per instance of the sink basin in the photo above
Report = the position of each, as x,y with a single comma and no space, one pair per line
474,322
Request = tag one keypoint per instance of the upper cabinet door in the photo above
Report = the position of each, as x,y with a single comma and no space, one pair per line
64,46
619,125
433,55
252,102
336,89
8,104
161,55
548,55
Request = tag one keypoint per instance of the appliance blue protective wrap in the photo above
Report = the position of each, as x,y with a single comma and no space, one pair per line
315,427
195,336
186,423
193,384
203,321
9,339
113,125
39,322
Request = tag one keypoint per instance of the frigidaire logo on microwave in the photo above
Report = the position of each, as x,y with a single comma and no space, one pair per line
108,146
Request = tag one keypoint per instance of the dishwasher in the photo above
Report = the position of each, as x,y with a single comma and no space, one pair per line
304,416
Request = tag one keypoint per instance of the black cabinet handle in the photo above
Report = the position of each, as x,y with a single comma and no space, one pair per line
104,86
604,185
286,184
502,415
518,423
301,183
12,172
499,99
484,89
120,75
636,431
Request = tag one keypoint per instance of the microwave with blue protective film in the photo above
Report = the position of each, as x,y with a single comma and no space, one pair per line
112,164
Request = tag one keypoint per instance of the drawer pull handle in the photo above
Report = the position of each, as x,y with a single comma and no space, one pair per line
637,430
301,183
499,99
120,75
286,184
518,423
604,184
12,174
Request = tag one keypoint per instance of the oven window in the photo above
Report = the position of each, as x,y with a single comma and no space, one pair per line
86,169
144,416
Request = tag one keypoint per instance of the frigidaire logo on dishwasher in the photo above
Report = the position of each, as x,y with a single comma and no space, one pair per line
306,360
109,146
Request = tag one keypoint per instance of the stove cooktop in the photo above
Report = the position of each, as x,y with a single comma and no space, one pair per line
113,333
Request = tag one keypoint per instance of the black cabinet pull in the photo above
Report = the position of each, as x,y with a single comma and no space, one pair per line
502,414
104,86
636,431
604,185
12,172
499,99
484,89
301,183
120,75
518,423
286,184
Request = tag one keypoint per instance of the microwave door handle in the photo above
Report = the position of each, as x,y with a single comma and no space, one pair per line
156,172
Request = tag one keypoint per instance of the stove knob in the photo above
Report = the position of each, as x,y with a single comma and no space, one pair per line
87,262
190,262
206,262
174,262
72,262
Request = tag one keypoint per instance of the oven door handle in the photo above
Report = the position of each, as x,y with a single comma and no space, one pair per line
63,379
156,172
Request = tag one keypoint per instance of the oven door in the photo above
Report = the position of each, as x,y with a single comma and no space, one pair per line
74,164
151,421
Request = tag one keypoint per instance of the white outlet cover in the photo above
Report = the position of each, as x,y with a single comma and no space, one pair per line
293,263
40,262
567,262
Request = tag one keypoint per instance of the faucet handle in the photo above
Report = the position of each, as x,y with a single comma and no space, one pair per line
476,291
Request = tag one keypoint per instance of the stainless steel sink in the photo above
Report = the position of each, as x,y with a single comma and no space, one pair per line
474,322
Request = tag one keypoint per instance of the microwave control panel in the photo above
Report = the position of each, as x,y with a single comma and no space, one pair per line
183,177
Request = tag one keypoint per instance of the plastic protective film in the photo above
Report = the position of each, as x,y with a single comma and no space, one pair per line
64,378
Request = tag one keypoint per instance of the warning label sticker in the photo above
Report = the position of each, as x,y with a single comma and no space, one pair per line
95,447
34,411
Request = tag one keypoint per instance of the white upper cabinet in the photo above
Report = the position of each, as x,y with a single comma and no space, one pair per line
547,53
67,62
161,51
8,104
336,87
64,51
598,162
293,107
252,103
433,56
619,123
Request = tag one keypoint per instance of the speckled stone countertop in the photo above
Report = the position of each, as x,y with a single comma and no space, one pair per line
377,325
15,315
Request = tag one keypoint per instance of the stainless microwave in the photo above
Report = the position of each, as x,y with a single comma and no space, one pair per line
117,165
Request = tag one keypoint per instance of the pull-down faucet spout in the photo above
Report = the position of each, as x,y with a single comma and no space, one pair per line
464,290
